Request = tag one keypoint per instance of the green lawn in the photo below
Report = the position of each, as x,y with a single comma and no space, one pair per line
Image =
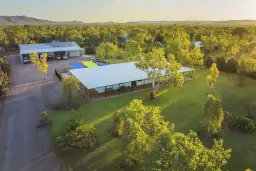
182,106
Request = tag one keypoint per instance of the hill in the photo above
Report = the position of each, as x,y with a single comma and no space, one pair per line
22,20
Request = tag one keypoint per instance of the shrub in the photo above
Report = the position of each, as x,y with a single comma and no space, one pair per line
4,83
221,63
72,124
231,66
5,66
78,135
44,119
209,61
118,127
44,115
244,123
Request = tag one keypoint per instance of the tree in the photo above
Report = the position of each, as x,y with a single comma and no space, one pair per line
118,127
212,77
234,50
4,82
43,65
106,51
245,42
143,125
34,59
209,42
40,63
179,152
212,115
253,54
159,70
246,65
196,56
77,134
132,50
184,58
5,66
72,92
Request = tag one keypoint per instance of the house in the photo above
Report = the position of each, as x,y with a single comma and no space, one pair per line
126,37
198,43
115,79
55,50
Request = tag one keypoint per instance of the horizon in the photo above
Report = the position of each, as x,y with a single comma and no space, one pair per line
122,11
134,20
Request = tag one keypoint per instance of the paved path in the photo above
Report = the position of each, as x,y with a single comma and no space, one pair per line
22,146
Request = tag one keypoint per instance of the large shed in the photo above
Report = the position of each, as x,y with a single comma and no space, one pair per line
70,49
113,79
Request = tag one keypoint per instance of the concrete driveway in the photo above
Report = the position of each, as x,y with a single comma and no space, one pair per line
22,146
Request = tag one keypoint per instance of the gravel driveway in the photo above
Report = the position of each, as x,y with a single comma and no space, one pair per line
22,146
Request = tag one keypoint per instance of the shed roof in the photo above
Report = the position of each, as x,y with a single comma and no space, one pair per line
48,47
111,74
198,43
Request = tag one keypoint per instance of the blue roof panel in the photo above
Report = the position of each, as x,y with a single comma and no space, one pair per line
77,65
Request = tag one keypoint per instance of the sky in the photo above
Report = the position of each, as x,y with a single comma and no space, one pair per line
131,10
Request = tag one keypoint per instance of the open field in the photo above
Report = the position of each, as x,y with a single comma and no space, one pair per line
182,106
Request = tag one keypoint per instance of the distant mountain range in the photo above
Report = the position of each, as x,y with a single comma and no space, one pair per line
24,20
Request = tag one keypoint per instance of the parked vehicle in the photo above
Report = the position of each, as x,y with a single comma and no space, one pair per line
50,56
26,60
65,57
58,57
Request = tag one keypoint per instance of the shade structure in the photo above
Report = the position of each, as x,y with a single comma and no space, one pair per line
90,64
96,77
77,65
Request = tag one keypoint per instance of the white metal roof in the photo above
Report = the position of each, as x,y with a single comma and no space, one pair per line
198,43
111,74
48,47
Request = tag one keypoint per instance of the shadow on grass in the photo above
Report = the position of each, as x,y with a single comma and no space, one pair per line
171,102
101,156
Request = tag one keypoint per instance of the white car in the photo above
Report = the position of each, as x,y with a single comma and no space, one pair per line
58,57
26,60
65,57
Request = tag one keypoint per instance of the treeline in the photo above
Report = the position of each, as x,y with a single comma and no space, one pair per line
223,45
90,36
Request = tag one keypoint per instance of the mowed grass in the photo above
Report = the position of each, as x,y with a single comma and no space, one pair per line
181,106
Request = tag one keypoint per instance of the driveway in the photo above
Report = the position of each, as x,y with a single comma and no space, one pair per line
23,147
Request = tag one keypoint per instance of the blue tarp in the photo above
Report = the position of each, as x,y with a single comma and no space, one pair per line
76,65
101,63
